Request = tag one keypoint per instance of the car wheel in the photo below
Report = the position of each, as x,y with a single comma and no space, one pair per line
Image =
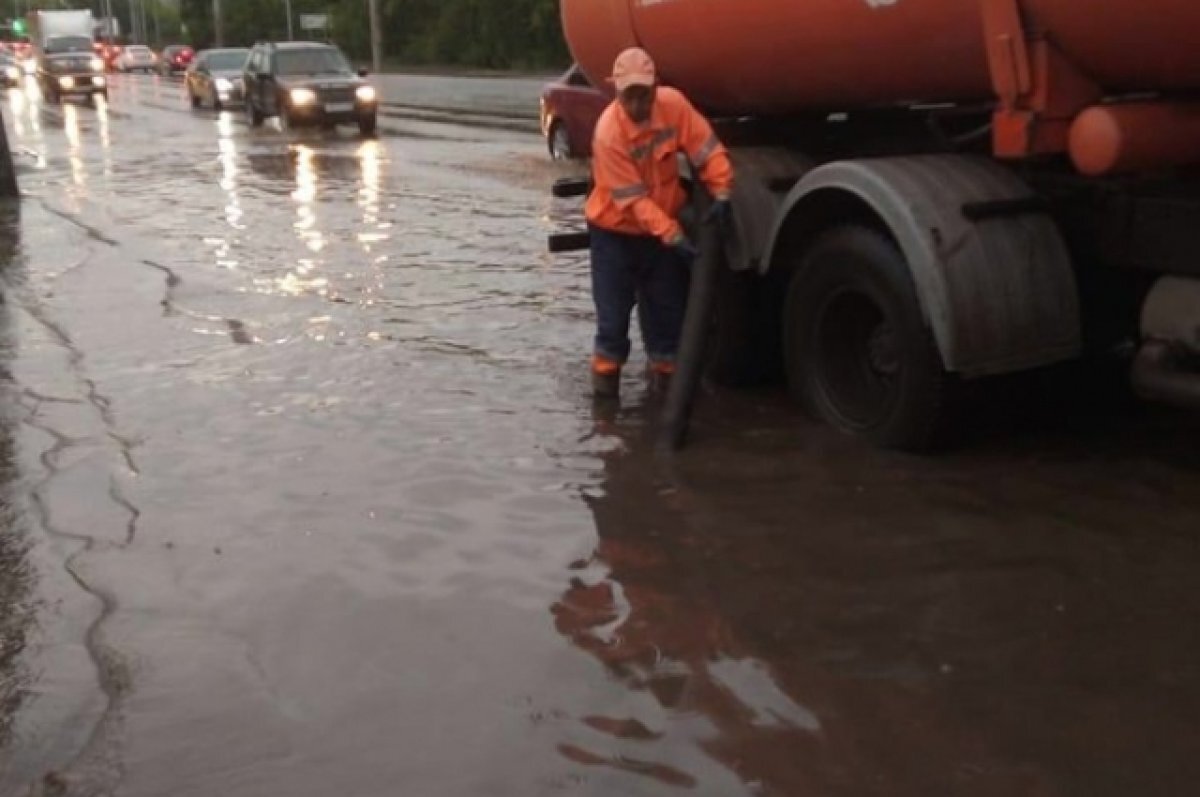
857,350
367,124
216,102
195,98
559,142
254,115
285,118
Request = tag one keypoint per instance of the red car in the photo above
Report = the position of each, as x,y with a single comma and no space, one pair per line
571,106
176,58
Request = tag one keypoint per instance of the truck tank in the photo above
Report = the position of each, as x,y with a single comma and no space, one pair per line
763,57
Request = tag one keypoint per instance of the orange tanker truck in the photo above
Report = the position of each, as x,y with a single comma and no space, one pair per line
931,192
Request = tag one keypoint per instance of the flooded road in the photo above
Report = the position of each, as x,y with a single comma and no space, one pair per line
305,494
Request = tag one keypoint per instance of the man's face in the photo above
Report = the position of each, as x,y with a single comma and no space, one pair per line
638,102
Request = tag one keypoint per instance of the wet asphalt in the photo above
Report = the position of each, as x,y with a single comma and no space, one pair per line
303,493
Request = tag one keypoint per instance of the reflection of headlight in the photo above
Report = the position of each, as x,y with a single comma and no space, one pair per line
223,85
303,96
67,82
98,81
13,73
97,65
365,93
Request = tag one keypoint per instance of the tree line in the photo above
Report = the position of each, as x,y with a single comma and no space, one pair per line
493,34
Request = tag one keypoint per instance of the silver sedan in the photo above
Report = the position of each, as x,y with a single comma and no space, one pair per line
215,78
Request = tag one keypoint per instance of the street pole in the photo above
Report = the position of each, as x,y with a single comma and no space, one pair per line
135,29
376,37
218,24
288,5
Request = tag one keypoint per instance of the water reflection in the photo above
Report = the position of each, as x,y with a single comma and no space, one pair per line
644,606
19,105
313,176
75,154
228,156
373,232
105,125
826,622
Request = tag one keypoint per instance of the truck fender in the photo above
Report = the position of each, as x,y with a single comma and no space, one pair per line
990,269
764,175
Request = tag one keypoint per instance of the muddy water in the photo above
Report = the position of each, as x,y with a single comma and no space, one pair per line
309,498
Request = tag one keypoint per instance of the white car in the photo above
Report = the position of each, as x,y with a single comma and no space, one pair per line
136,58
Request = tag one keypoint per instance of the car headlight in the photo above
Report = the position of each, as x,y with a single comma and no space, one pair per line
97,64
98,81
223,84
13,73
30,67
365,93
303,96
67,82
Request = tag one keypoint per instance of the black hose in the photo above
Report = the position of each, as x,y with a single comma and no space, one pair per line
689,365
568,242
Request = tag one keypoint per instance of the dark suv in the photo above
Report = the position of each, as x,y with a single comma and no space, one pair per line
307,83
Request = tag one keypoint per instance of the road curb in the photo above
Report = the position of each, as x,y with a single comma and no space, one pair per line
454,116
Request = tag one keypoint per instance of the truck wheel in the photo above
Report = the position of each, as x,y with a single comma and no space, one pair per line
857,350
366,124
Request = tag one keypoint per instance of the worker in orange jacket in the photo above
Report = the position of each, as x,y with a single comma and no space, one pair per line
640,254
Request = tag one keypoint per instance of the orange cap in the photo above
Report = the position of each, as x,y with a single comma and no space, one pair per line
633,67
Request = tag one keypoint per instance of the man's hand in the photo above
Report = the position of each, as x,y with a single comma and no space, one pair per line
684,248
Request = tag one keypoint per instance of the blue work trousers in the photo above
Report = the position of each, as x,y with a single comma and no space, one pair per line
640,270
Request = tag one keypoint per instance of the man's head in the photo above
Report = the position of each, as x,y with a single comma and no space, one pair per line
635,77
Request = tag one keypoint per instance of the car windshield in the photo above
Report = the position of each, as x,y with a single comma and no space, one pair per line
230,60
69,44
138,50
323,61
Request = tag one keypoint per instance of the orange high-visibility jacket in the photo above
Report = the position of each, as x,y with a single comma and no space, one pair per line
635,169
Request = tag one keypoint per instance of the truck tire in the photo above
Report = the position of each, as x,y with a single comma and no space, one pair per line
857,350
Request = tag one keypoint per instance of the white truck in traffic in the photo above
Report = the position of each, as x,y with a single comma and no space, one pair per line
67,64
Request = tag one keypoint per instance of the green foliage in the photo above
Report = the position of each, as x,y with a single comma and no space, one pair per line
495,34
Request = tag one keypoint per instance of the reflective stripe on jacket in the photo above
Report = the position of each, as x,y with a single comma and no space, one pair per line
635,167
